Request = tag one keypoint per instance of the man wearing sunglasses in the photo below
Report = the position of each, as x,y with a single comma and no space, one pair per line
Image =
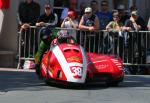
48,18
104,15
89,21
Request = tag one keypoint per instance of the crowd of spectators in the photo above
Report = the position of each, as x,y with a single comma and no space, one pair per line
87,18
29,14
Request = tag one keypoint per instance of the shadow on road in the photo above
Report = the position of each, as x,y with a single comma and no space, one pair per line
19,80
136,81
28,81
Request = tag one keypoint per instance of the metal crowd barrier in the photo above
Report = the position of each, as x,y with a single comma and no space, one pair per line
132,47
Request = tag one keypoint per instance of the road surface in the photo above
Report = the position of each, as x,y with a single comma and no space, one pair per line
23,86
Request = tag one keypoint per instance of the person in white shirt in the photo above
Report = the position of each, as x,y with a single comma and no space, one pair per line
71,23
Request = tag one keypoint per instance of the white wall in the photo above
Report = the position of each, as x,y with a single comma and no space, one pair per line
1,20
8,25
8,37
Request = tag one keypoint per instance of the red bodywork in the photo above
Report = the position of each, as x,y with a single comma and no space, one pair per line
104,67
98,67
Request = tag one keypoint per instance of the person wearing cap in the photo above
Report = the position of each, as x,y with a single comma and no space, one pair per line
139,19
135,22
122,14
104,15
48,18
89,21
70,22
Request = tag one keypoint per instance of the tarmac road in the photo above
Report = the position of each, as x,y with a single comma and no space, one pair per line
23,86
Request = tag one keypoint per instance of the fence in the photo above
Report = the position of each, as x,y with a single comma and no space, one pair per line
132,47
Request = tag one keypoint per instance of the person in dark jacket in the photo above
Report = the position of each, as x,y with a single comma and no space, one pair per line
48,18
135,22
29,11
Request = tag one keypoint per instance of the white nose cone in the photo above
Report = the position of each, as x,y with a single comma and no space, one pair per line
74,72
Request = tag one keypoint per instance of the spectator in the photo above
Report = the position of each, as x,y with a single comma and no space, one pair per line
81,10
48,18
115,35
135,23
148,25
70,22
140,20
29,12
104,15
89,21
122,14
72,6
115,25
94,6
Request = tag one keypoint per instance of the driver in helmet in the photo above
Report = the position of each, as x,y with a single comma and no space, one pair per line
47,36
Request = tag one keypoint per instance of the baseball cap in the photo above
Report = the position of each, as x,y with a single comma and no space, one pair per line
88,9
121,7
71,13
134,13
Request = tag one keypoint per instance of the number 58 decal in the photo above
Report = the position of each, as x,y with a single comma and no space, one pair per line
77,71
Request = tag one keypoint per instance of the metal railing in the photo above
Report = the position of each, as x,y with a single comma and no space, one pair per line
132,47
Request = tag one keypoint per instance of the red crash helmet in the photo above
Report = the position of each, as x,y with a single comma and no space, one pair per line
71,14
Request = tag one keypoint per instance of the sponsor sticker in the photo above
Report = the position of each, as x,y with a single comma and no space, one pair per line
74,58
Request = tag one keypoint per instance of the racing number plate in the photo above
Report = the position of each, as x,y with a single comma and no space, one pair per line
77,71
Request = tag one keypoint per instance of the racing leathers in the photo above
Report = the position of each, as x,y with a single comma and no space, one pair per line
46,37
